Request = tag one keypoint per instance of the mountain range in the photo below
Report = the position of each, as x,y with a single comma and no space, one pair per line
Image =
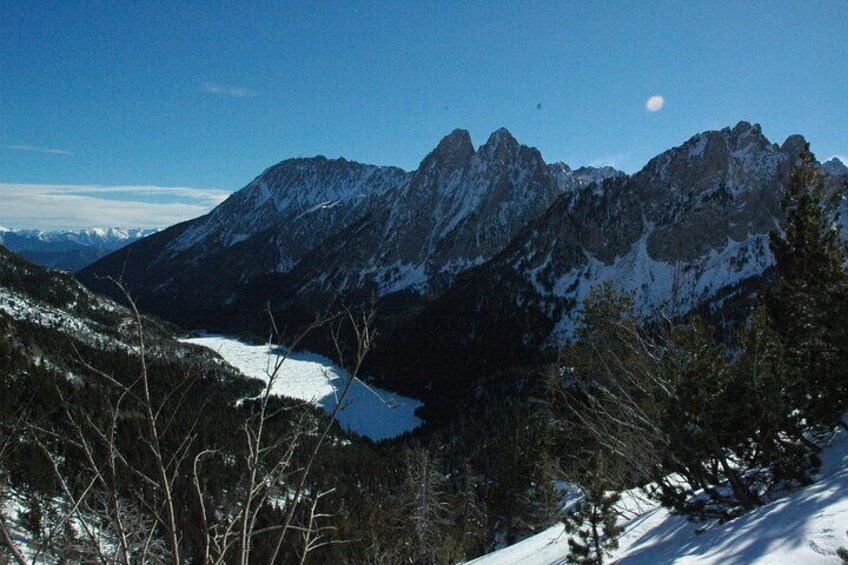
70,250
477,261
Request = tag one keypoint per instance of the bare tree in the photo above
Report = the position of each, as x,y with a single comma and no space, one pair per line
10,433
140,523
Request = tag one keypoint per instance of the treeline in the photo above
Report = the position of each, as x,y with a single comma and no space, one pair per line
712,428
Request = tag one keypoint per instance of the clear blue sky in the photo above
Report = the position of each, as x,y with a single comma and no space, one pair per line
207,94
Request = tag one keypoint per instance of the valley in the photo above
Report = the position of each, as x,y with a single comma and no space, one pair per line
424,283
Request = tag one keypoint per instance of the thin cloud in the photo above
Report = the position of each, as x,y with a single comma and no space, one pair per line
35,149
228,90
52,206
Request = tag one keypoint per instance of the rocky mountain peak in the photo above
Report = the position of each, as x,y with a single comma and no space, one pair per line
835,167
501,135
793,146
746,128
568,179
559,167
328,226
453,151
499,145
745,135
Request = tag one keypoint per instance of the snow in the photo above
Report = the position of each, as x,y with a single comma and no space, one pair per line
19,306
368,411
291,191
655,282
697,149
804,528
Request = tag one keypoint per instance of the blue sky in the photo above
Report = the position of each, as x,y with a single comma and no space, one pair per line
207,95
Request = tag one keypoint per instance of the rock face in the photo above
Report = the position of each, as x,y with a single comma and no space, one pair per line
458,209
294,205
307,230
694,220
688,230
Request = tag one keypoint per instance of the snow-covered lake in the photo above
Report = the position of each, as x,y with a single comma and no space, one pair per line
367,411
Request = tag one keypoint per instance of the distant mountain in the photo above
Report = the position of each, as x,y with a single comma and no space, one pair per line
70,250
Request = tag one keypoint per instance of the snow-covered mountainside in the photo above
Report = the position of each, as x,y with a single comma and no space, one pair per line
294,206
69,249
317,228
807,527
459,209
569,179
43,311
694,221
485,254
50,319
690,229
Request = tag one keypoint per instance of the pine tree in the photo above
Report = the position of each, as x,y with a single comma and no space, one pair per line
470,514
779,450
808,304
523,495
843,555
706,427
609,392
593,522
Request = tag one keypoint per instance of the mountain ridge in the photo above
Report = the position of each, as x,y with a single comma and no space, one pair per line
484,254
69,249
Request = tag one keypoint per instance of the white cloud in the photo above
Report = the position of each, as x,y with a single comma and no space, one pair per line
228,90
655,103
67,206
35,149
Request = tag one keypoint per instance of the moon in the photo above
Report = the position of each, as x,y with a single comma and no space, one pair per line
655,103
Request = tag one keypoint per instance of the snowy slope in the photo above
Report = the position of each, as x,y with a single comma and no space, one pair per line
804,528
371,412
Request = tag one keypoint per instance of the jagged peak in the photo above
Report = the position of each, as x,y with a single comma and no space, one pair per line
745,127
794,145
743,135
453,152
500,136
604,171
559,167
744,138
742,131
457,141
835,167
318,163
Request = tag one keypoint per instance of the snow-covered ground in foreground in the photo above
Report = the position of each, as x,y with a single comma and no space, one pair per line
367,411
804,528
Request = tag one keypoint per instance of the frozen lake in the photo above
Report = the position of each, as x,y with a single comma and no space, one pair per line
367,411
